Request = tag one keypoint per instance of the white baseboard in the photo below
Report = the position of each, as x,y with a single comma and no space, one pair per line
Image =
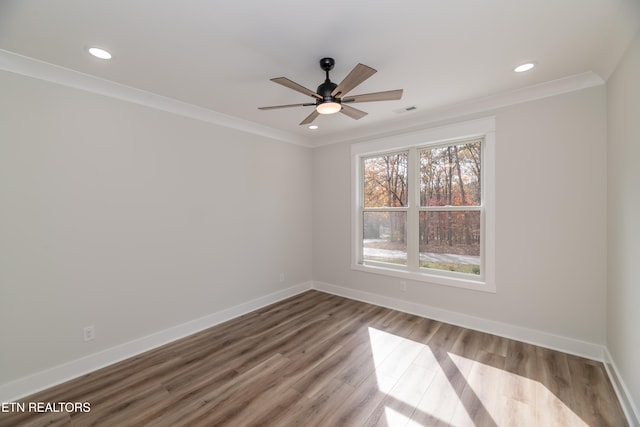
629,408
25,386
28,385
531,336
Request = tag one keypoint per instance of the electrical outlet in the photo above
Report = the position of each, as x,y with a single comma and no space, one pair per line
281,277
89,333
403,286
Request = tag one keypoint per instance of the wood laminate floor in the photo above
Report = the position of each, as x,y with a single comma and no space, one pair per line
321,360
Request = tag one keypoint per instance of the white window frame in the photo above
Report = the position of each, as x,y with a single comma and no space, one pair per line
413,142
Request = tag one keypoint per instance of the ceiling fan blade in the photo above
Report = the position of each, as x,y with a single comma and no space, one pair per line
311,117
295,86
354,113
390,95
359,74
273,107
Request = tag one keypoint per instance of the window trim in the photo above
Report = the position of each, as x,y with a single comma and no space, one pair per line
444,135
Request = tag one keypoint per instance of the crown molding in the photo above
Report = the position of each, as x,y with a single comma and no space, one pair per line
480,105
30,67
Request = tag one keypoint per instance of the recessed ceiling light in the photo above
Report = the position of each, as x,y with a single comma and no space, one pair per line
313,127
99,53
524,67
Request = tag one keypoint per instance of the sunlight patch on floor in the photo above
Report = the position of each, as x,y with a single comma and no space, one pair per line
395,418
423,389
502,392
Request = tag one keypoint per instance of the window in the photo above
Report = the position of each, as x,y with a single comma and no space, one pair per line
423,206
449,229
384,212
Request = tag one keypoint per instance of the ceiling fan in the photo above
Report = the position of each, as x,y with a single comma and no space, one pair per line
331,98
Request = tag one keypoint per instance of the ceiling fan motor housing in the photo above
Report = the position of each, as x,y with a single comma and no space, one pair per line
325,89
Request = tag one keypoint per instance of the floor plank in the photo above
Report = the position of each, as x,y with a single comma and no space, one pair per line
321,360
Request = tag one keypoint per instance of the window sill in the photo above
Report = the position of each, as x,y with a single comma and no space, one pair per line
458,282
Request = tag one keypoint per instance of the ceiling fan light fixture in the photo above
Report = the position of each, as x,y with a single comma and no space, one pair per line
328,107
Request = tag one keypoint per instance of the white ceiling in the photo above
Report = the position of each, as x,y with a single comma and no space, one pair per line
220,55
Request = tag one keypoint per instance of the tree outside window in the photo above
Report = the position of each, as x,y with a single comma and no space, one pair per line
443,211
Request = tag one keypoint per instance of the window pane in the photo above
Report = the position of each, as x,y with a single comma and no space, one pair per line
385,237
385,181
450,241
450,176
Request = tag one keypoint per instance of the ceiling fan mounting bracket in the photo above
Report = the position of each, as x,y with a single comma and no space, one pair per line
327,64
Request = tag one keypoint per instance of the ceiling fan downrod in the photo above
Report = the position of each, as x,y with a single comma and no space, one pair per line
326,88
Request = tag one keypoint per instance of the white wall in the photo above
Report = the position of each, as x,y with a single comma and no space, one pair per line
136,220
133,220
550,222
623,179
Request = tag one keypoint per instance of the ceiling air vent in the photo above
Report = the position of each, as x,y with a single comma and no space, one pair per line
405,109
